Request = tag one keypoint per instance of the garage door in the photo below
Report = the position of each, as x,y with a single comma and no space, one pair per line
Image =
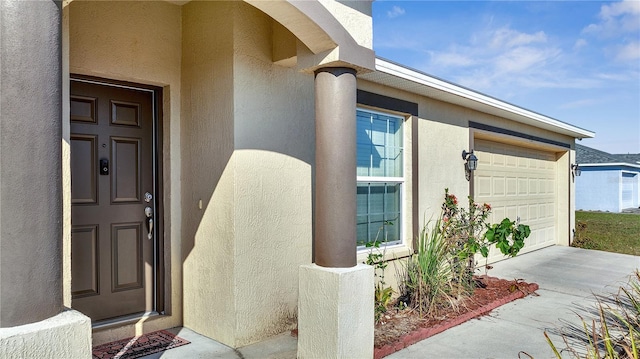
518,183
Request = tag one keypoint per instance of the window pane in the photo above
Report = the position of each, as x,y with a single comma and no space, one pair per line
376,198
362,229
379,141
376,227
392,230
364,159
392,199
378,131
393,163
362,199
379,209
377,161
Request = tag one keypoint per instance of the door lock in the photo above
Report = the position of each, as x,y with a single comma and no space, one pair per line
104,167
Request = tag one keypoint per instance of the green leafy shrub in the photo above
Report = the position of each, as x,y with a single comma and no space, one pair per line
469,233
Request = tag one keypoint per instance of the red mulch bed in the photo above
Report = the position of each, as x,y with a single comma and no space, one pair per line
401,328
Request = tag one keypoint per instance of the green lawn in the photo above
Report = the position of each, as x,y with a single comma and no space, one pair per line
611,232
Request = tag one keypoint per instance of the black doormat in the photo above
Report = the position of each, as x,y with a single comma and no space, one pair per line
138,346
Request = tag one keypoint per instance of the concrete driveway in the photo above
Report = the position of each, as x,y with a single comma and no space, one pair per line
567,277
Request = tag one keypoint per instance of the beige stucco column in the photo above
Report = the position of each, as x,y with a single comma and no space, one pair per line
335,201
31,309
30,159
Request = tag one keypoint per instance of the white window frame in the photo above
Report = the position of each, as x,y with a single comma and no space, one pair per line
390,180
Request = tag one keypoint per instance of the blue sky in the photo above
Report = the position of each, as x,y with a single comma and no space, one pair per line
575,61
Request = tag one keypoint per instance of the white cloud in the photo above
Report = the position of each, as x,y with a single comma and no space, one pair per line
629,52
581,103
620,8
451,59
616,19
580,43
619,21
500,57
619,76
395,12
524,58
508,38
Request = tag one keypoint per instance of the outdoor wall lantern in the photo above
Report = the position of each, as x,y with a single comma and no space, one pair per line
471,163
576,170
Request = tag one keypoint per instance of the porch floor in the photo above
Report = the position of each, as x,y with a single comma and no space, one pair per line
282,346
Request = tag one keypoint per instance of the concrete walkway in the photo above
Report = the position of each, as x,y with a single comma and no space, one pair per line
567,277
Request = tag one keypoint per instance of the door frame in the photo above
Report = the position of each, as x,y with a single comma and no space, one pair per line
159,275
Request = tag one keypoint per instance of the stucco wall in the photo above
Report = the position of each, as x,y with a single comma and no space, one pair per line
598,189
253,122
139,42
208,169
274,153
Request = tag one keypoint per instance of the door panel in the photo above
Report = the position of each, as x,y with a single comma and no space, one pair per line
125,170
84,166
111,168
126,244
85,269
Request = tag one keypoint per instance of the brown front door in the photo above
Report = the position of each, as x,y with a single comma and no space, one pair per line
112,192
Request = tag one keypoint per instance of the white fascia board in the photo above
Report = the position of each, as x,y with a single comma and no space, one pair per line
530,117
623,164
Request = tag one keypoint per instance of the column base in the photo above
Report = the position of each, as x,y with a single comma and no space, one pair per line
335,312
66,335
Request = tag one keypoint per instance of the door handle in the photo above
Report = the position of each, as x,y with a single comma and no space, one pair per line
149,213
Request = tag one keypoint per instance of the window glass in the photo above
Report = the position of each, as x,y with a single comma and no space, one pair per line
379,145
380,177
379,210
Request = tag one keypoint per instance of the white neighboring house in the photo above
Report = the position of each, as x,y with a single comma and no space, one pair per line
608,182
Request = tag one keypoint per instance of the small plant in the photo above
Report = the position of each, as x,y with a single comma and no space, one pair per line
429,275
382,293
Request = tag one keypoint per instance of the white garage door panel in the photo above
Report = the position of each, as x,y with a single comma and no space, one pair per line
518,183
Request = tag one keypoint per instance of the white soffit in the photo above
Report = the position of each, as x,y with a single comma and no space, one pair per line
613,164
396,76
